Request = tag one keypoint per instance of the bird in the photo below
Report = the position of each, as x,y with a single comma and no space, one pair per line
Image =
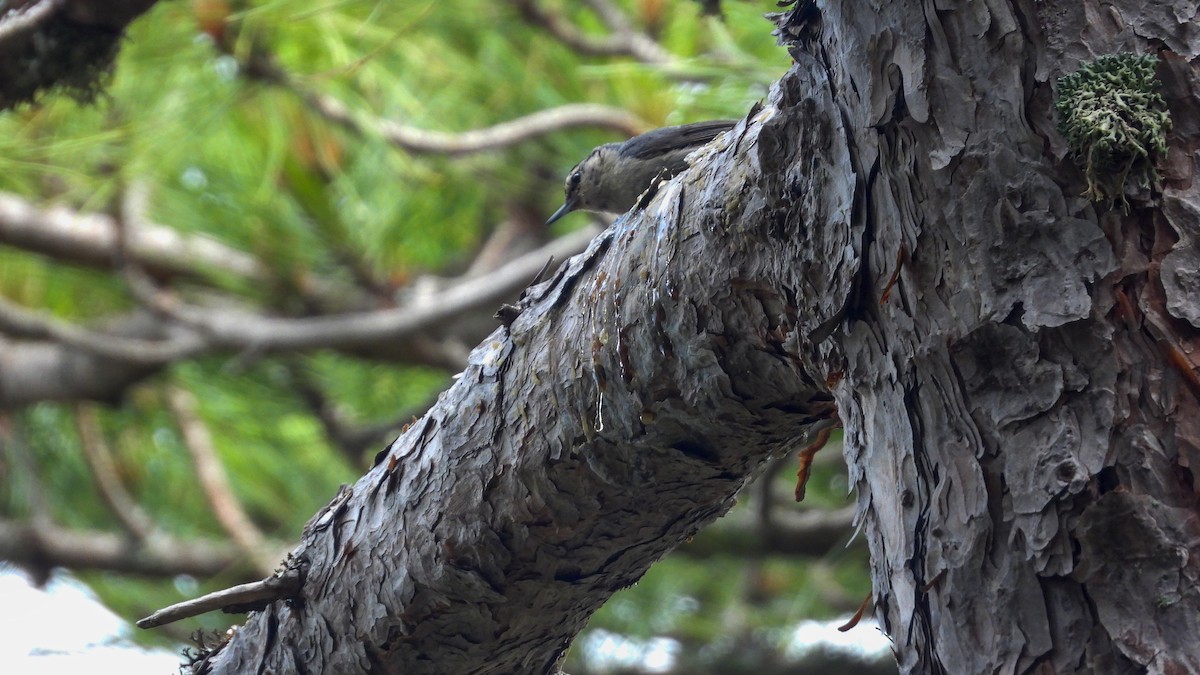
611,178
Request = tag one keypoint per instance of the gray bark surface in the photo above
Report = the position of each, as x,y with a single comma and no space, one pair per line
1020,408
1020,439
623,409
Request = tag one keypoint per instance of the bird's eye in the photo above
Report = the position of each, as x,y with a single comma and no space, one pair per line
575,178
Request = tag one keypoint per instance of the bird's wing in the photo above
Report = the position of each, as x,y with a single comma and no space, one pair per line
661,141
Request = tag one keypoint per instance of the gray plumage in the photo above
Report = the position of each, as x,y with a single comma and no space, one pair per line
615,174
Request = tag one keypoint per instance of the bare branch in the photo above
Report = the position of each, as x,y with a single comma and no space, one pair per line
505,134
90,239
351,440
211,477
795,532
97,364
641,46
104,472
159,556
623,40
424,141
275,587
233,329
20,322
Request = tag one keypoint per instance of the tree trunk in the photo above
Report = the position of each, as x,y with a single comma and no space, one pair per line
1020,404
1020,436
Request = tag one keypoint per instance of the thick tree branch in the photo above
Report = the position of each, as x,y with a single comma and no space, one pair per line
993,383
603,427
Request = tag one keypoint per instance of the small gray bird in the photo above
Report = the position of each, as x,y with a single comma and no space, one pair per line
611,178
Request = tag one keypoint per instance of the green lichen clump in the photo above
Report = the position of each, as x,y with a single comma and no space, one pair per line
1115,122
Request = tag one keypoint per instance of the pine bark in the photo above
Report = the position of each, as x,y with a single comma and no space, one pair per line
897,233
1021,412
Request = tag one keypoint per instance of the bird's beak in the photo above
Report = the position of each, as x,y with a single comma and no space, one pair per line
563,210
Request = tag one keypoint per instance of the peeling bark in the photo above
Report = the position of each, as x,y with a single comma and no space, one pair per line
1019,436
633,396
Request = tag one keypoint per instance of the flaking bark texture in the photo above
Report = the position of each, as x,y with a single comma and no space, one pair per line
624,408
1020,406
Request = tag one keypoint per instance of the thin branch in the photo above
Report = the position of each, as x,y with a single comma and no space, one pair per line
416,140
236,599
622,40
90,239
500,136
233,329
35,371
568,33
416,332
809,533
67,367
641,46
211,477
17,321
352,440
104,473
49,545
75,363
612,16
260,64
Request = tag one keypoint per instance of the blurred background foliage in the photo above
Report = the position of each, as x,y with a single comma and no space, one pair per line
246,161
